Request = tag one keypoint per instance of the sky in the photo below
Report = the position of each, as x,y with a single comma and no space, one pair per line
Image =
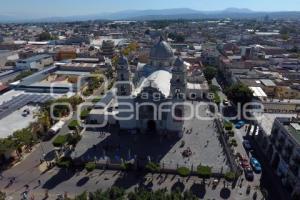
53,8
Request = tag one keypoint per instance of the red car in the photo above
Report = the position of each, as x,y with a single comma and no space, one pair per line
244,162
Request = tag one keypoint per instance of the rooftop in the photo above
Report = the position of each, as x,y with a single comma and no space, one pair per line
158,79
294,130
37,57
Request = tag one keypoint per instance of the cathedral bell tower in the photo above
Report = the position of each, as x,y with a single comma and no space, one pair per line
123,77
178,81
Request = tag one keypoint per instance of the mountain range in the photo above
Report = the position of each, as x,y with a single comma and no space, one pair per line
178,13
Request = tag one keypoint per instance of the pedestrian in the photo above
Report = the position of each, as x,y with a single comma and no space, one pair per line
39,182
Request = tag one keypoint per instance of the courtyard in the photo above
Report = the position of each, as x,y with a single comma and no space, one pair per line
199,145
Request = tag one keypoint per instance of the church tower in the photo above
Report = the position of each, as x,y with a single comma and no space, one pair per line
178,81
123,77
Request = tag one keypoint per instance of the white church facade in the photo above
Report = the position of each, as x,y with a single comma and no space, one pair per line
150,100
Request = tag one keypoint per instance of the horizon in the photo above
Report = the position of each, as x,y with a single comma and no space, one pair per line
31,9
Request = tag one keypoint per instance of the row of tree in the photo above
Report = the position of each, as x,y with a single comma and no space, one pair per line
116,193
237,93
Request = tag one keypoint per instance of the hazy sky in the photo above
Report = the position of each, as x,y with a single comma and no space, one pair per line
82,7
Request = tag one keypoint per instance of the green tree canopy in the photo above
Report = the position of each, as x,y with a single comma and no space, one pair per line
45,36
239,93
209,73
24,137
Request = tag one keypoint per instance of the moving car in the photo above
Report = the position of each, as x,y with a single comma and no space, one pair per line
249,174
240,124
255,165
247,145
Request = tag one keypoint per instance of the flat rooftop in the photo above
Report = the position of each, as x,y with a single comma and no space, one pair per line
294,130
266,120
15,121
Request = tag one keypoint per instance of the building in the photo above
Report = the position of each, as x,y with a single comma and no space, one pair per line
66,54
37,62
282,148
162,83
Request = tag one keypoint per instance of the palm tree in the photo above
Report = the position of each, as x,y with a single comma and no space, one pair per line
44,120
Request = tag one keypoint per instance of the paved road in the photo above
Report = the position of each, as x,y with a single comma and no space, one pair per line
29,169
267,179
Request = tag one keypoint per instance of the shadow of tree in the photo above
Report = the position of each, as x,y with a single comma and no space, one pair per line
62,176
50,155
198,190
225,193
178,187
130,179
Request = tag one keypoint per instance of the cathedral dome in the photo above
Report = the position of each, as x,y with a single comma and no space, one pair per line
161,51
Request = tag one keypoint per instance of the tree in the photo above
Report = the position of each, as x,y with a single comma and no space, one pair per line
113,193
44,121
8,144
152,167
183,171
209,73
45,36
230,176
24,137
2,196
73,125
60,140
90,166
65,162
239,93
204,171
83,196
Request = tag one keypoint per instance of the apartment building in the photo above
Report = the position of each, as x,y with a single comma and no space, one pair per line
283,151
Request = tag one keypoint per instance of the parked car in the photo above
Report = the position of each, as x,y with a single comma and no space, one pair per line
247,145
25,112
255,165
53,130
244,162
240,124
249,174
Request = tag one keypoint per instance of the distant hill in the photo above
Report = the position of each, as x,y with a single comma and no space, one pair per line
178,13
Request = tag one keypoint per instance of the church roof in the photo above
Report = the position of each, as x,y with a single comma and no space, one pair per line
159,79
161,51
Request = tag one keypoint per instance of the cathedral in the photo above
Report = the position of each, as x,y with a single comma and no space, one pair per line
151,99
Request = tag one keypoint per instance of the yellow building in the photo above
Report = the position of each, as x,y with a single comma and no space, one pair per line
286,92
